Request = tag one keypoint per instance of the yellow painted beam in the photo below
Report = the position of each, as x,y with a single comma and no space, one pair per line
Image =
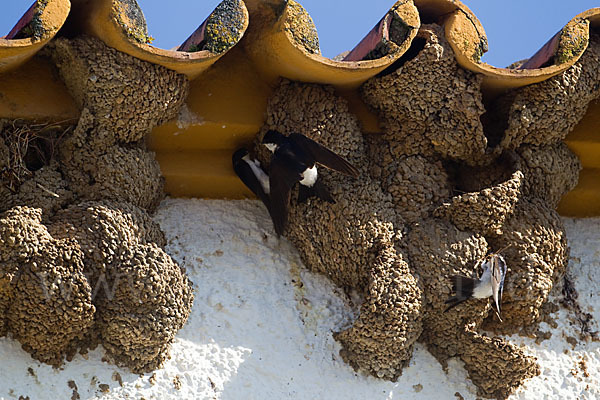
229,91
34,92
584,141
584,200
201,174
226,105
224,110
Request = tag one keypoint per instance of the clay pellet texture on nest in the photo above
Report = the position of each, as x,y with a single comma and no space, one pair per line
438,191
354,240
85,263
544,113
429,105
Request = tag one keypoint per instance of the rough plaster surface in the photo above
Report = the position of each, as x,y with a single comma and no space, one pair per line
378,239
262,325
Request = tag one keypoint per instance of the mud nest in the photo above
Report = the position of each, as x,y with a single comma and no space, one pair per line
95,274
354,240
544,113
117,112
438,191
82,262
29,172
421,118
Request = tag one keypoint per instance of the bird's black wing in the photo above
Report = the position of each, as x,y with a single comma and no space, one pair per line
247,176
281,181
463,288
323,155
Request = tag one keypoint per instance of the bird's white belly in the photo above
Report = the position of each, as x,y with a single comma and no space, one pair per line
259,173
309,177
483,290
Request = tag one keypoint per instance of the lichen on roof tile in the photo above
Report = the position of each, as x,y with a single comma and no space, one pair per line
302,28
131,18
225,26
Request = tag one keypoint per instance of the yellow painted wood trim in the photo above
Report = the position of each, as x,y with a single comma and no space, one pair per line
584,200
33,92
206,174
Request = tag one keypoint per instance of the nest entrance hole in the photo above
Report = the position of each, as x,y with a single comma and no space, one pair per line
495,118
466,178
30,147
413,51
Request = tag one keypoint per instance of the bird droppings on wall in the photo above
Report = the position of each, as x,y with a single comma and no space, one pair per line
454,175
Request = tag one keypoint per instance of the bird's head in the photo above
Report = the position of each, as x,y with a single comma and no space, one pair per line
273,139
239,154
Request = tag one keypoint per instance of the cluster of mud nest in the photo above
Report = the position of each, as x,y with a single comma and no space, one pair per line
439,190
81,261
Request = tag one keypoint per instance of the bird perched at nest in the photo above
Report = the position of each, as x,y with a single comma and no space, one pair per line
294,160
491,283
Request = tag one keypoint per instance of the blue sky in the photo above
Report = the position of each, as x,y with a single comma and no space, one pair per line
515,28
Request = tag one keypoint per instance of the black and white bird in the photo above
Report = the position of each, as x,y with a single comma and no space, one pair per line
491,283
251,173
295,158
